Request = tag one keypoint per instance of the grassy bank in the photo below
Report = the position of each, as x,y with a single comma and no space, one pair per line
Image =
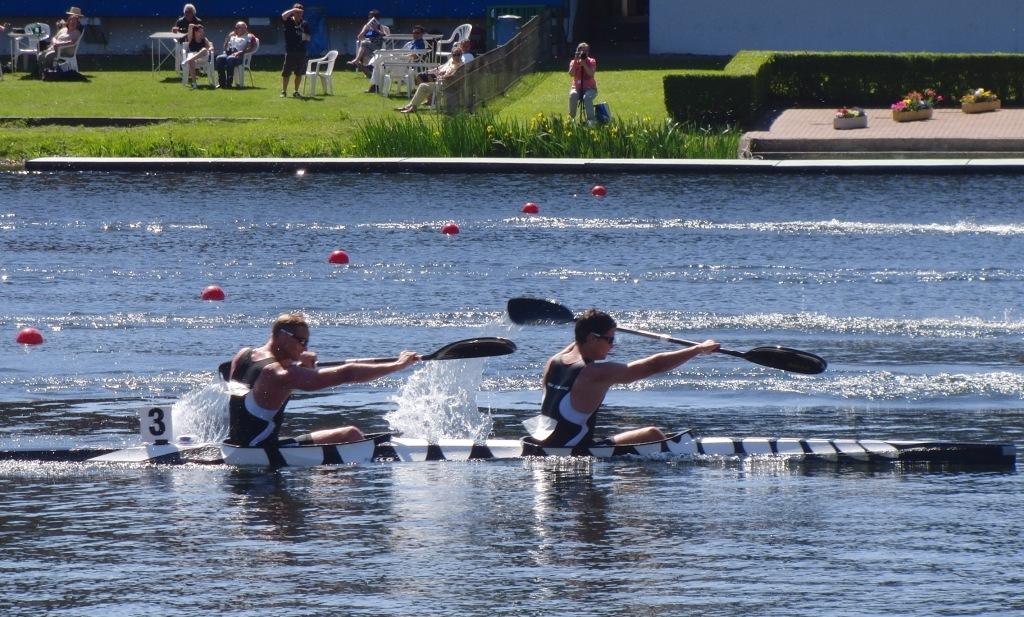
256,122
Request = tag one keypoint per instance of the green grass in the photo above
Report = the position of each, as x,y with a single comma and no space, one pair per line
256,122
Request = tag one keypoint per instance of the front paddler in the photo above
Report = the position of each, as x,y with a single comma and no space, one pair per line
277,368
577,379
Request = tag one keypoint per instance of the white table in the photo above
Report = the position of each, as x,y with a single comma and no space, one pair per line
164,46
395,41
15,38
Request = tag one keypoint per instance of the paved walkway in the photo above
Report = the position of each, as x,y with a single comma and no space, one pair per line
950,133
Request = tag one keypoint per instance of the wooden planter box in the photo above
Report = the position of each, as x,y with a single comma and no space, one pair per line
977,108
842,124
911,116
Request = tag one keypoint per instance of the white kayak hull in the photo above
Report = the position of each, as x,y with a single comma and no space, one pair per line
386,448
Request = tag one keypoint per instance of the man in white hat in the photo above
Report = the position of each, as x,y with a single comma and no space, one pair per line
63,43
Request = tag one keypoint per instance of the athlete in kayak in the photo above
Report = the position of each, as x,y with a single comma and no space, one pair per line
576,382
277,368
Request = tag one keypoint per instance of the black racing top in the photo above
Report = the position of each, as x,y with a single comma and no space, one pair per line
560,379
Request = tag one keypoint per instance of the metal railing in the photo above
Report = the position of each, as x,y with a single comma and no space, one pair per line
491,74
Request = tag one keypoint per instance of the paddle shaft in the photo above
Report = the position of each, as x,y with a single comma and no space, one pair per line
672,339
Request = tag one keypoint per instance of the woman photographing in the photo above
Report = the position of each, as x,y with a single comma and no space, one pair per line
584,86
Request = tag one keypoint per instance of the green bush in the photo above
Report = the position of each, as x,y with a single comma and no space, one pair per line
755,81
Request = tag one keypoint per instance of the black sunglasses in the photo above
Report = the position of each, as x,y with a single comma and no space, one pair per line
608,339
302,340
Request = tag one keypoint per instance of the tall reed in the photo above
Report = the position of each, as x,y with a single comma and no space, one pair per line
483,135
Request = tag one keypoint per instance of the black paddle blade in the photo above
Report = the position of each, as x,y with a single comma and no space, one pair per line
532,311
482,347
787,359
225,370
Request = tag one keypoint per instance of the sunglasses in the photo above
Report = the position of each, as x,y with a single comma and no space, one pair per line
302,340
608,339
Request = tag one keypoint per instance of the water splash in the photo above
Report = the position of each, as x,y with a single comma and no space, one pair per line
203,412
439,402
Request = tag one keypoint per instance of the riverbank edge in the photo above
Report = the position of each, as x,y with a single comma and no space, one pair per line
507,165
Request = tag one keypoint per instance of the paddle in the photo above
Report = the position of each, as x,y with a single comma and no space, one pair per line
530,311
480,347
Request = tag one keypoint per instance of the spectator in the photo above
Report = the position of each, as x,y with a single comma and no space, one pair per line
296,35
187,19
584,86
466,55
237,43
417,46
197,50
428,81
66,39
369,39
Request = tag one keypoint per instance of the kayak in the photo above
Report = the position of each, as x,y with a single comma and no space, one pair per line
385,447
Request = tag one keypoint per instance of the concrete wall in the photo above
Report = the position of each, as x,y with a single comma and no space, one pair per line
717,27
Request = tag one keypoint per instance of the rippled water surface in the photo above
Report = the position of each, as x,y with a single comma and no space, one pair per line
911,287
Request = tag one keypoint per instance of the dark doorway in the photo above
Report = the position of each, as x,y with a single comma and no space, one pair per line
614,25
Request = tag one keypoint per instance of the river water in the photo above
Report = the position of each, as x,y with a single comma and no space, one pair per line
910,287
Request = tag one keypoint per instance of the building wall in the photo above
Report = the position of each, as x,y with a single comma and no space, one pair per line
722,28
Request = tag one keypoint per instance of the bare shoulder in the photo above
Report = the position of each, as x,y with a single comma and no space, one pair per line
609,372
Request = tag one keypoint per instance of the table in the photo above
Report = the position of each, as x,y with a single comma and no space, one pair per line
15,38
395,41
164,46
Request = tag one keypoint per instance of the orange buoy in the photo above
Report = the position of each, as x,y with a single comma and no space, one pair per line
212,292
29,336
598,191
449,229
531,208
338,257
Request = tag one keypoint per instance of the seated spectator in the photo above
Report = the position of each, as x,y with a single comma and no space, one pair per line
466,55
428,81
63,43
417,46
237,43
369,39
197,50
187,19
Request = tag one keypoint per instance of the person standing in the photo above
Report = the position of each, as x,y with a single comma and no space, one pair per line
577,379
296,36
237,43
584,85
188,18
279,367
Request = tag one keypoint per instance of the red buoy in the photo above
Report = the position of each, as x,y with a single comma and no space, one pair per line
598,191
450,229
30,336
531,208
338,257
213,292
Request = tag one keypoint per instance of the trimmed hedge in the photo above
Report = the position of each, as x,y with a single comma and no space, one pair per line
756,80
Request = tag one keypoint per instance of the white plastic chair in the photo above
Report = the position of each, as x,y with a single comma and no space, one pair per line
403,74
322,70
459,34
205,67
240,70
71,62
28,45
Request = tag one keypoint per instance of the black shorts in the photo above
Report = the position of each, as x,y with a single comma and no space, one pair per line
294,62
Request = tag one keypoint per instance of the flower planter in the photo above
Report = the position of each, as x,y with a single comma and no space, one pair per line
979,107
911,116
857,122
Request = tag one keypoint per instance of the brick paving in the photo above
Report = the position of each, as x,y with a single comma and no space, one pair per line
950,133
